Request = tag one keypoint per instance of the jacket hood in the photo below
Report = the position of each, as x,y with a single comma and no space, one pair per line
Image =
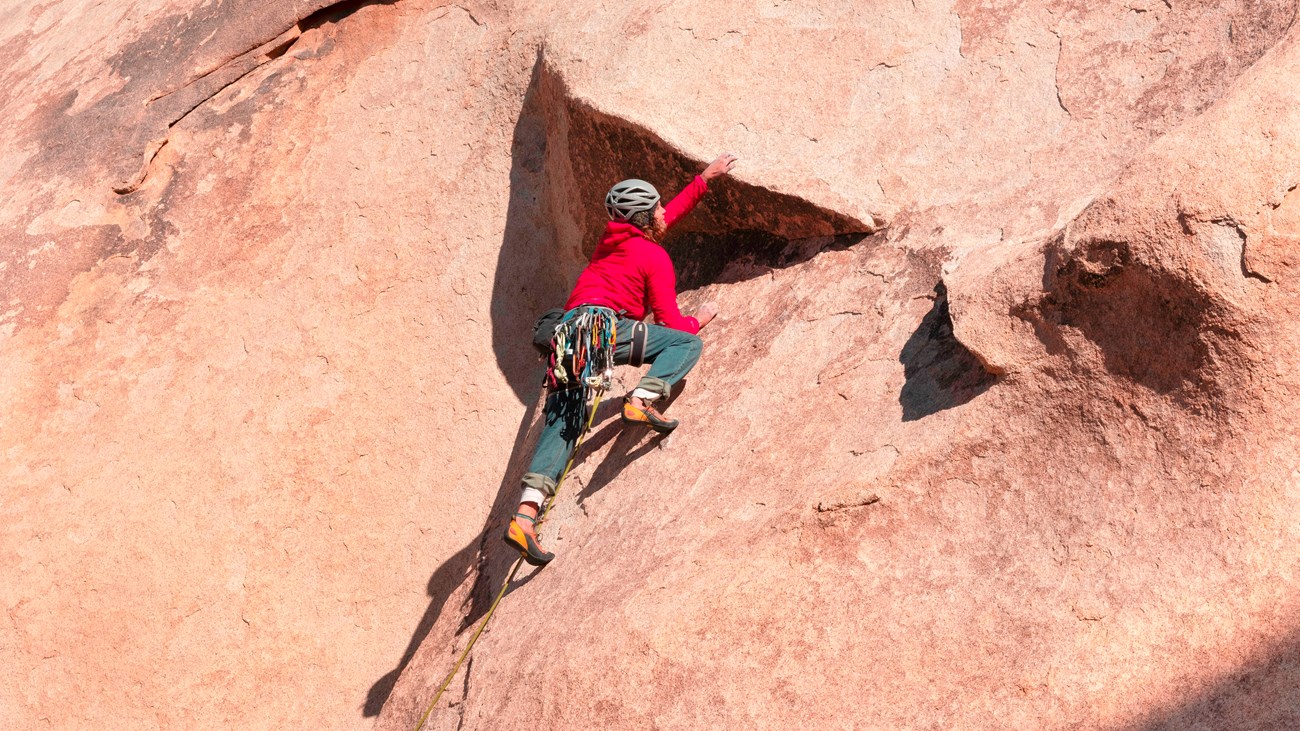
616,232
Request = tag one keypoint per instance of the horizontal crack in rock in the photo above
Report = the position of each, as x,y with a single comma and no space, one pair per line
841,505
167,109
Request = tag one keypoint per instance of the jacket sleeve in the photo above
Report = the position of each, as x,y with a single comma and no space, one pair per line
683,202
661,290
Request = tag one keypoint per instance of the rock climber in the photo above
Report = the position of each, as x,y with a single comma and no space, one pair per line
628,270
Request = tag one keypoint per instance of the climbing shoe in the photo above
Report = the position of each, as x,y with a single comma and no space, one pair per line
648,416
517,539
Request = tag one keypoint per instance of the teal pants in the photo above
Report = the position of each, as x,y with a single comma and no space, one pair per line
671,355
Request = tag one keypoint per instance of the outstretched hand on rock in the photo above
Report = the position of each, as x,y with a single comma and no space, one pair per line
706,313
719,167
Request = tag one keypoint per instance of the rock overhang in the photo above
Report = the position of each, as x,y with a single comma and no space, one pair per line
587,150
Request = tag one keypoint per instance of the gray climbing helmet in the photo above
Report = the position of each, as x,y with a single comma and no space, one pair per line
628,197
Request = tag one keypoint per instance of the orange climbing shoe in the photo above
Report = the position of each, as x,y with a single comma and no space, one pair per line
517,539
648,416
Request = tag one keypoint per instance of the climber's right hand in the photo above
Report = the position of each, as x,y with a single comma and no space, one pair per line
719,167
706,313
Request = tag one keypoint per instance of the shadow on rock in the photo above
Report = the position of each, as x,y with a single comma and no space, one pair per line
485,556
531,275
621,454
444,581
533,271
1264,693
1153,324
940,372
526,282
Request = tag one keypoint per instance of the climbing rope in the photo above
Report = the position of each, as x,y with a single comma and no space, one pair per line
595,376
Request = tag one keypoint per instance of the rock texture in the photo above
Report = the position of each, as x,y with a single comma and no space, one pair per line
995,430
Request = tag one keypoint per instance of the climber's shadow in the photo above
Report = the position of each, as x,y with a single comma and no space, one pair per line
625,449
485,555
620,455
444,581
522,581
528,279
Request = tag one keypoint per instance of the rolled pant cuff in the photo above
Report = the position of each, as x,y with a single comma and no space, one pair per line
655,385
539,482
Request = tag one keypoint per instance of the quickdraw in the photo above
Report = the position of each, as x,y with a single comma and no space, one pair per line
582,352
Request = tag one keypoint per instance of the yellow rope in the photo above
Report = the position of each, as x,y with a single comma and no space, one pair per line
518,562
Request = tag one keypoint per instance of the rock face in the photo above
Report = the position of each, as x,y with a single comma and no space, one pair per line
995,430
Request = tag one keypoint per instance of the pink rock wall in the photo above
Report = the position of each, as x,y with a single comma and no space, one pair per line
995,430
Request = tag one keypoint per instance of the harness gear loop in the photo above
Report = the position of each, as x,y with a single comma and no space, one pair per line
599,391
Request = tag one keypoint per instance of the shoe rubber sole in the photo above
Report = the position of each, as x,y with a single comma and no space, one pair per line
517,539
661,428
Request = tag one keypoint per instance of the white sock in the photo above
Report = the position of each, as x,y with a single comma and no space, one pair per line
644,395
533,495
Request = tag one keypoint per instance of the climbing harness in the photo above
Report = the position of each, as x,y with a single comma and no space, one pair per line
544,329
636,348
586,342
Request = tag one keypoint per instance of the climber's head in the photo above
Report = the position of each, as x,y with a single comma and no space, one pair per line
651,223
637,202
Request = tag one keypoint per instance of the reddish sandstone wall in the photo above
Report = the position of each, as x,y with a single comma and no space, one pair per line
994,431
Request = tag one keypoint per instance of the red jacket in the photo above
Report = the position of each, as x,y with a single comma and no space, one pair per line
628,271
